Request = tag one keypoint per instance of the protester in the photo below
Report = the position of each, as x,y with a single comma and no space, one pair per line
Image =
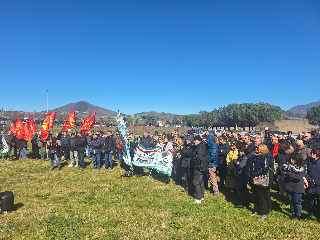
200,161
178,145
52,151
89,139
240,165
187,167
313,182
212,154
96,150
259,171
64,141
73,151
223,150
108,149
294,183
302,150
81,143
284,153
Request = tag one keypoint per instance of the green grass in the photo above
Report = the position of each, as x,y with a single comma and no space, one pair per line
98,204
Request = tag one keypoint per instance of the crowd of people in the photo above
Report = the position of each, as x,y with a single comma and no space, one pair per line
227,161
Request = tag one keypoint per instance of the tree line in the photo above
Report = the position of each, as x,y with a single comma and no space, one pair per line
235,115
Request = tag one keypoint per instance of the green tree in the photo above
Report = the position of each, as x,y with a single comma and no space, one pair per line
152,119
313,115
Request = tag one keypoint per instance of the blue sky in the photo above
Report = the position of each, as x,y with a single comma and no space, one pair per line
175,56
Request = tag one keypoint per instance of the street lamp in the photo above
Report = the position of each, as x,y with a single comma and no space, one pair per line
47,101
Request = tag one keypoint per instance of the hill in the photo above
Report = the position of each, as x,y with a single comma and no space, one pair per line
301,110
84,108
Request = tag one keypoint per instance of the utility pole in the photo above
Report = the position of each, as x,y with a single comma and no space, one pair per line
47,101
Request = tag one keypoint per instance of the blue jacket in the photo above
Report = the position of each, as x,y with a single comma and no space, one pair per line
212,152
313,173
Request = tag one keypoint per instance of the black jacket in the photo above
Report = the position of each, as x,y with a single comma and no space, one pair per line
72,144
223,150
241,167
199,157
260,164
96,145
109,144
81,143
146,142
250,149
186,155
313,173
293,178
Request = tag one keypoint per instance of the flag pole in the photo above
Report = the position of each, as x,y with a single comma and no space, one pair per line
47,101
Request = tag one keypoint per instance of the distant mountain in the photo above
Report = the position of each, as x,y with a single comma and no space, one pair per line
161,114
304,108
84,108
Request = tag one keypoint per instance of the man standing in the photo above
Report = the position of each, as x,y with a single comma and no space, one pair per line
302,150
146,140
290,138
81,143
109,148
250,147
64,140
212,153
73,151
200,160
96,149
223,150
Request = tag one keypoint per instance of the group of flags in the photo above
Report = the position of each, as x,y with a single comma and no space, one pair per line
22,130
26,130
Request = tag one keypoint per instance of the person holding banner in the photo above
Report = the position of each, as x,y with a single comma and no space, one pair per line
200,161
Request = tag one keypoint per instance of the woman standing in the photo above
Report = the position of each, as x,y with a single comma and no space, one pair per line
186,165
260,173
294,183
313,179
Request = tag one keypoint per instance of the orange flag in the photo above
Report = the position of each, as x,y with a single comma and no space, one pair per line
70,121
88,123
18,129
29,129
47,124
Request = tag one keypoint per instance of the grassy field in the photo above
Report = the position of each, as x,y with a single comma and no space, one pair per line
98,204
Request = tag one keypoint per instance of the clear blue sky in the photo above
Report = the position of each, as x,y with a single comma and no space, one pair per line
177,56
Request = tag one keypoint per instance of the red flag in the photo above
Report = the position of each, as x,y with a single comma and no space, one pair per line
70,121
18,129
47,124
88,123
29,129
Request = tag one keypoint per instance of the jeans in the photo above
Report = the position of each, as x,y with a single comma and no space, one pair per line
295,203
108,156
88,151
56,158
96,160
81,159
120,155
42,152
242,191
24,153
